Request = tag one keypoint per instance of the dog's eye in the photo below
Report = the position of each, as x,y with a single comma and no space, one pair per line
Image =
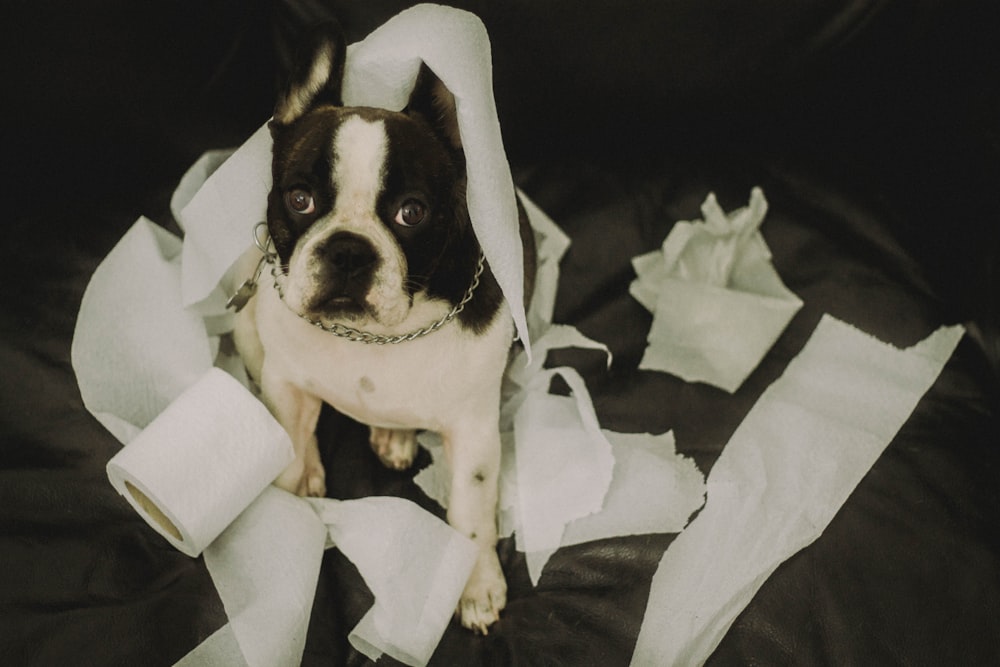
300,201
411,213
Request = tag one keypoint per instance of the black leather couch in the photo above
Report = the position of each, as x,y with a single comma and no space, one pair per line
873,129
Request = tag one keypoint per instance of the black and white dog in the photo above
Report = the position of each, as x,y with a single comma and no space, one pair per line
371,243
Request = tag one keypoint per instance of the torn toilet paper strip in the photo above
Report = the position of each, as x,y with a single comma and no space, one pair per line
551,244
265,566
135,347
784,474
268,597
718,304
415,598
195,178
380,71
653,489
219,219
563,463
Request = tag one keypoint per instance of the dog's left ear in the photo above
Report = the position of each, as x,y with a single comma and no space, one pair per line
316,74
432,100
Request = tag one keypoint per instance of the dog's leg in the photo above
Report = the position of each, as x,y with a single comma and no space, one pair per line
294,409
298,412
474,458
395,447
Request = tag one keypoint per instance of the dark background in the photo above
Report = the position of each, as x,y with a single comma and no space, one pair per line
873,129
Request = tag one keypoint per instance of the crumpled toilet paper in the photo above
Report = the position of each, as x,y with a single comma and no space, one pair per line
786,471
718,304
557,463
380,71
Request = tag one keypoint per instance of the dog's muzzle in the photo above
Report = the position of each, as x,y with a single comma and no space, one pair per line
344,269
248,289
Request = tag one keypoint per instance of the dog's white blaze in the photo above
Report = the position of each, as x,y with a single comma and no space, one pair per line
359,149
358,153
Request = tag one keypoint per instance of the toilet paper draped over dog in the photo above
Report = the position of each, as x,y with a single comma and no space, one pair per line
380,71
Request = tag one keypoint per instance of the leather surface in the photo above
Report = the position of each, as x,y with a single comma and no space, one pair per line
871,127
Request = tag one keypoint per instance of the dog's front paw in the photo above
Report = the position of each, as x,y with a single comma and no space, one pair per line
395,447
485,594
305,476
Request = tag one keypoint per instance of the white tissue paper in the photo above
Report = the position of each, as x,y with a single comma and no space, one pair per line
414,564
380,71
135,348
556,465
265,567
785,472
405,627
194,179
653,489
718,304
563,462
551,244
218,221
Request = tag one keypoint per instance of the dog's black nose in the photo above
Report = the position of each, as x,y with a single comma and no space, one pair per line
349,255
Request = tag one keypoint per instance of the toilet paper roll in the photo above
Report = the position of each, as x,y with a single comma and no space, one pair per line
201,462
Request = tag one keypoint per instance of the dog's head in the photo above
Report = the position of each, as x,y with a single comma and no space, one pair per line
367,208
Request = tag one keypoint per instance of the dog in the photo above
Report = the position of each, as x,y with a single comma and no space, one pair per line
382,304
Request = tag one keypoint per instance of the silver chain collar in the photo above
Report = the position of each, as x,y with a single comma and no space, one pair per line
249,287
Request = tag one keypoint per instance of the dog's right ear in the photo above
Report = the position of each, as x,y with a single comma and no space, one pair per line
316,74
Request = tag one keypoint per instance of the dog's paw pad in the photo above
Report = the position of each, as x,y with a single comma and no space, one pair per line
303,479
483,599
395,448
313,482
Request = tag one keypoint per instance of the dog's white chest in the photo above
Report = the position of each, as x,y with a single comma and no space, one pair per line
382,386
425,383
